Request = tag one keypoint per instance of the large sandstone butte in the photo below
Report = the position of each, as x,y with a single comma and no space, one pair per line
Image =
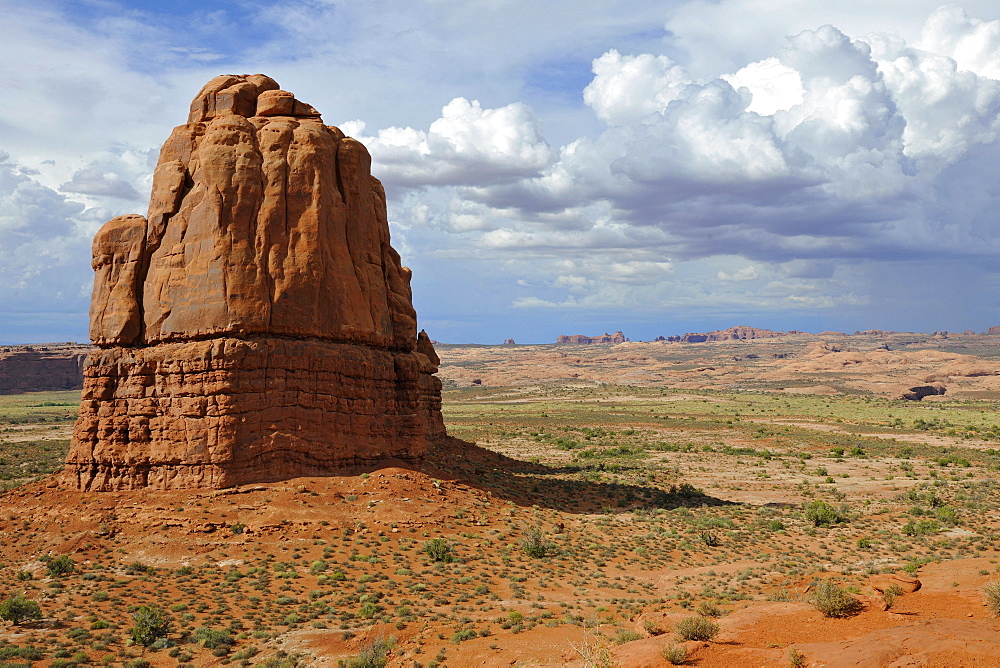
256,325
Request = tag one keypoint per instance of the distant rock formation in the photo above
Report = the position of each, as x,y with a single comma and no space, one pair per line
509,342
994,330
41,368
256,325
617,337
738,333
875,332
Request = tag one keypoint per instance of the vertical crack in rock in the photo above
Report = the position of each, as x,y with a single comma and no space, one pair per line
256,325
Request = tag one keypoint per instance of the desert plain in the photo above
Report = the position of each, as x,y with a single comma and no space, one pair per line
774,499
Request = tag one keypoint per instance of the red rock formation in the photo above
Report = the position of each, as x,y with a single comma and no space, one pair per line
41,368
617,337
256,324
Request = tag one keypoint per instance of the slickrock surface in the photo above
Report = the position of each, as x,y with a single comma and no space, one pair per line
256,325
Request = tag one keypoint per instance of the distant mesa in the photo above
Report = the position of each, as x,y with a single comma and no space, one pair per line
41,368
509,342
994,330
578,339
256,324
738,333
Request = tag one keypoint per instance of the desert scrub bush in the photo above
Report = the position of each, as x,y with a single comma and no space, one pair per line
991,596
709,609
373,655
921,528
534,544
626,635
150,624
216,639
58,566
675,655
19,608
833,600
651,627
283,659
890,594
463,635
696,628
439,549
822,514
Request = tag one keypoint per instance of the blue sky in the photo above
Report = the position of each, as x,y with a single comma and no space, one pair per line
558,167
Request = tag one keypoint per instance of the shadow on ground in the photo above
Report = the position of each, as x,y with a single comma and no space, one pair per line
534,484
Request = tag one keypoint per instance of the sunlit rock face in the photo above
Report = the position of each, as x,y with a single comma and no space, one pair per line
256,324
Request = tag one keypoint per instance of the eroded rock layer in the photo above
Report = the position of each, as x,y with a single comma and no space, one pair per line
257,324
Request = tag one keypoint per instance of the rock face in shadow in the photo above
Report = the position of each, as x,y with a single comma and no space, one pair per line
256,324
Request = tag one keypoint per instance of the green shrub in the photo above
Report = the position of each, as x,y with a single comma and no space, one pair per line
151,623
59,566
439,549
834,601
921,528
709,609
822,514
28,653
626,635
214,638
696,628
19,608
889,595
463,635
139,568
534,544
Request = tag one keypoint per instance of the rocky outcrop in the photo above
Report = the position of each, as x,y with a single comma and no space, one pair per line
256,324
41,368
579,339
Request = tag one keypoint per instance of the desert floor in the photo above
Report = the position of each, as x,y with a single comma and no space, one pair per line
615,492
